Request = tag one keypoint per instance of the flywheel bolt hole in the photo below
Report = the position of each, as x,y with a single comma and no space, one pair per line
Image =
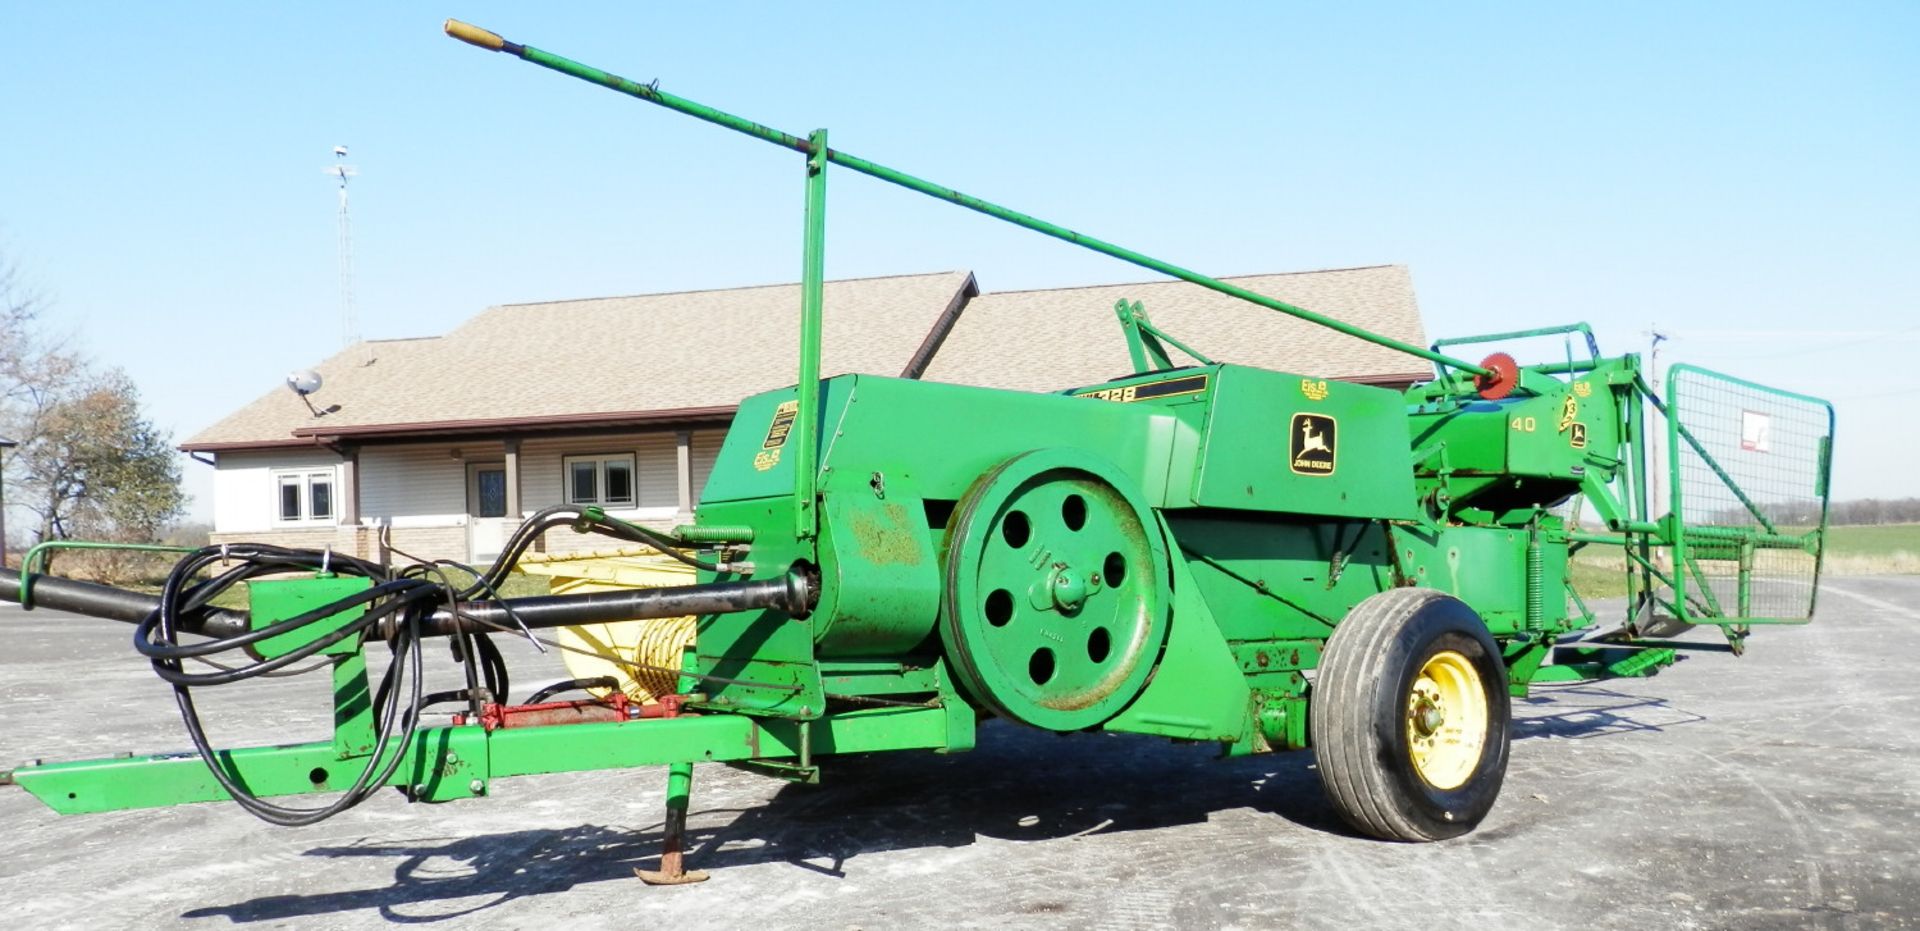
1040,666
1074,512
999,607
1099,645
1016,529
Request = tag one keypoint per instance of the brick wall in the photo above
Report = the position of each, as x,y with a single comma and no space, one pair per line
353,541
430,542
363,542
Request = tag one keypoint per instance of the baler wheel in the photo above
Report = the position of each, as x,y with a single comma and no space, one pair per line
1409,715
1055,604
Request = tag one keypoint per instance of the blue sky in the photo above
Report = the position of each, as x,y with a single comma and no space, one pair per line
1743,175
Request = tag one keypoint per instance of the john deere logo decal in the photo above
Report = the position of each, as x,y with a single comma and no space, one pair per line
1311,445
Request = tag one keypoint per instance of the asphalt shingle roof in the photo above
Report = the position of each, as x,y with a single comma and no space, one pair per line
702,351
1067,337
655,352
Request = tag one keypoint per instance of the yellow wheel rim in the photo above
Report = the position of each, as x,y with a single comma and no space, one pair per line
1446,720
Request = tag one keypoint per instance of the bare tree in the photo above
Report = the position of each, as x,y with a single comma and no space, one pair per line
88,463
19,306
97,468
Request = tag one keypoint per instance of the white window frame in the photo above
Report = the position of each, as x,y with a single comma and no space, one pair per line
600,462
304,480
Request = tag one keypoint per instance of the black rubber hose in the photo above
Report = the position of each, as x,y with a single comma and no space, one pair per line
412,598
597,682
143,634
494,665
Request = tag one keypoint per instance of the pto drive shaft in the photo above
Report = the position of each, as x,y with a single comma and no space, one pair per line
792,593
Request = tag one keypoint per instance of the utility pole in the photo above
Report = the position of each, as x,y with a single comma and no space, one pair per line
5,444
1656,439
1656,446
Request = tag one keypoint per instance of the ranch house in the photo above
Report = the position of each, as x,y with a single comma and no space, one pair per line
437,447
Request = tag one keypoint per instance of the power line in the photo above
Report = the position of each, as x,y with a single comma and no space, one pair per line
1808,350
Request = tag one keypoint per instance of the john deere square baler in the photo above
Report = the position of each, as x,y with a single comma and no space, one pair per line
1200,551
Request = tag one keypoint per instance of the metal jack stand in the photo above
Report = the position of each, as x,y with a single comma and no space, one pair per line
673,871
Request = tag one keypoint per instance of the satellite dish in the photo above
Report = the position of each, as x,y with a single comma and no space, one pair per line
304,382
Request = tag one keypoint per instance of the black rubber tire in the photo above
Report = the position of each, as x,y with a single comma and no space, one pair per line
1358,710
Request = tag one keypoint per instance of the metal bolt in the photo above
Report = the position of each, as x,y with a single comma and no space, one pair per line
477,786
1428,718
453,757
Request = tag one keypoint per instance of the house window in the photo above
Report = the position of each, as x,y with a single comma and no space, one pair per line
603,480
305,496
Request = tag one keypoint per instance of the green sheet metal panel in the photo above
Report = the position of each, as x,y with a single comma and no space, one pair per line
1280,442
928,440
1557,435
1272,578
881,559
276,600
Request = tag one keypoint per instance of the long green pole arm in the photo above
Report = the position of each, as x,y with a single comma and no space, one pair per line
474,35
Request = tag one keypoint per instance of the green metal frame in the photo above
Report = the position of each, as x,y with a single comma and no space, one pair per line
1146,343
1618,491
1682,538
1593,345
447,763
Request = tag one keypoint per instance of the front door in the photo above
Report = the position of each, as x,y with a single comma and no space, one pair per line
487,522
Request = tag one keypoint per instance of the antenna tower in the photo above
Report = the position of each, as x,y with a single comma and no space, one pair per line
349,317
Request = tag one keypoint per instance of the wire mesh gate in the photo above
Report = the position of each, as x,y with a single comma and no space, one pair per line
1749,473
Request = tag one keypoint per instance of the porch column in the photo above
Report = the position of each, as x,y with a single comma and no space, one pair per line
512,448
683,463
349,504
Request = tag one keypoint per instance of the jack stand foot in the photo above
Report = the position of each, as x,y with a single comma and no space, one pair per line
673,870
665,878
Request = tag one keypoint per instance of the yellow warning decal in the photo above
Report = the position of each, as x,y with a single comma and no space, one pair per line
777,432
